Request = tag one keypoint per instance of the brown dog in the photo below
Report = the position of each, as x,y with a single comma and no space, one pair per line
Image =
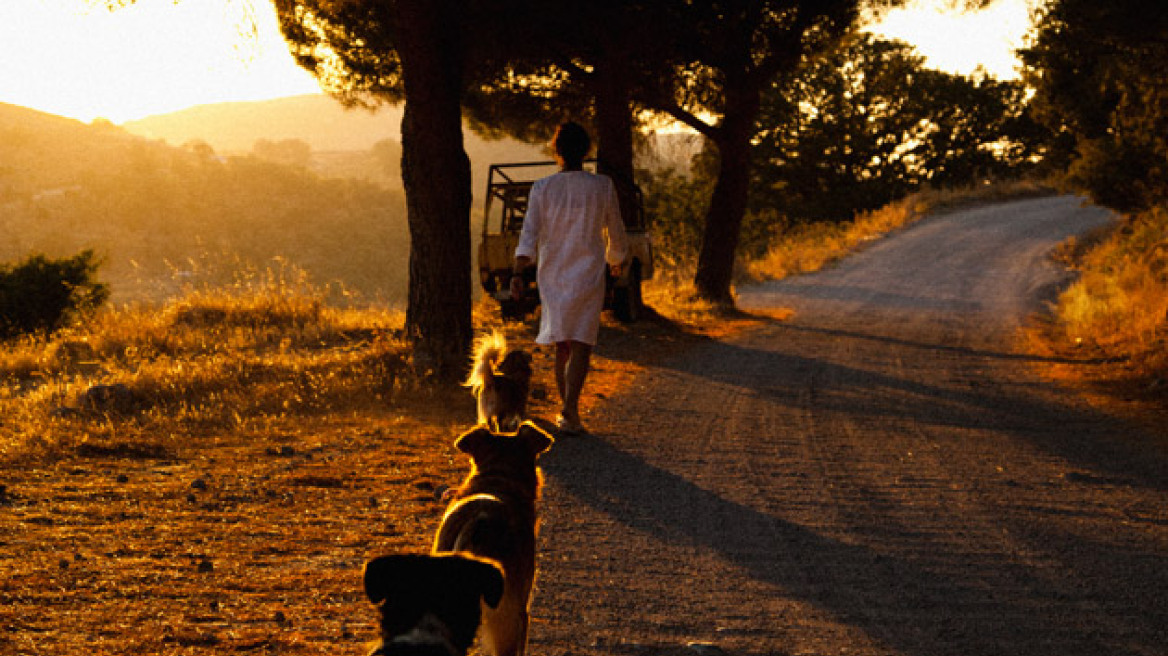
493,516
430,605
500,379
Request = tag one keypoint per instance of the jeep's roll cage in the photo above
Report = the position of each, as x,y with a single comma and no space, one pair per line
506,186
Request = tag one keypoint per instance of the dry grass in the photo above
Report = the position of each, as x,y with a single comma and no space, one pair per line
810,247
1120,302
1115,315
209,475
214,359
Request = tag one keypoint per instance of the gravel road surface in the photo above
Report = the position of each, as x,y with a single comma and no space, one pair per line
884,473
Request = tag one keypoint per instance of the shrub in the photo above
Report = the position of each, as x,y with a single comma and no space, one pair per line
1120,302
40,295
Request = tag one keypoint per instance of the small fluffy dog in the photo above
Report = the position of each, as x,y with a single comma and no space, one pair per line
493,516
500,379
430,605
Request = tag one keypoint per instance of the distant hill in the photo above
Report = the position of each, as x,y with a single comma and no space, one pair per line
40,151
321,122
335,134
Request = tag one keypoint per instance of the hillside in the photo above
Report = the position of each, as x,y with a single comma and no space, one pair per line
164,217
333,132
196,195
321,122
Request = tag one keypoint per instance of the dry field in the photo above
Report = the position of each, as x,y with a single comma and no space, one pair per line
258,449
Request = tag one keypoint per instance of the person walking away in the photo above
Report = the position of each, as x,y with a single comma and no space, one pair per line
572,229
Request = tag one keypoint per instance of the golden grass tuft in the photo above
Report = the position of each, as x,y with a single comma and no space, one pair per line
1119,304
672,295
211,358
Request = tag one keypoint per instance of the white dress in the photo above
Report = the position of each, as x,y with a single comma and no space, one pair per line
572,229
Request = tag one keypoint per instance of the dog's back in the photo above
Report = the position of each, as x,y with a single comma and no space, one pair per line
494,516
500,380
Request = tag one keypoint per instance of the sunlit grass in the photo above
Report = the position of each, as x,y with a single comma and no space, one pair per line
672,295
263,348
1119,304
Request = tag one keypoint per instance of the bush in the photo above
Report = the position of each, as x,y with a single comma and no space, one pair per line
40,295
676,204
1120,302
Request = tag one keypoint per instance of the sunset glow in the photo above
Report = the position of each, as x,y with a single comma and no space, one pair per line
69,58
77,59
959,42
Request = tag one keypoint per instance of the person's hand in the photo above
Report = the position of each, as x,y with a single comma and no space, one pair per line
517,287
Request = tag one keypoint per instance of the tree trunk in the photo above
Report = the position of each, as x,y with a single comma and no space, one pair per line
614,132
715,270
436,177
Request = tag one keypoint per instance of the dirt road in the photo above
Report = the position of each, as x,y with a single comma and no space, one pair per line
882,474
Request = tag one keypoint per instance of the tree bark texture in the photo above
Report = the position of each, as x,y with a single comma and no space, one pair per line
614,132
715,269
436,177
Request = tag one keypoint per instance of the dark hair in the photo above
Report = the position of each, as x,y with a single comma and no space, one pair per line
572,142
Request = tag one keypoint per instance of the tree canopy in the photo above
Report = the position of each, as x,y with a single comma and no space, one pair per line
868,123
1100,74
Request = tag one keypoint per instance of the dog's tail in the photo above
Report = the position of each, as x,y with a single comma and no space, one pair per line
489,349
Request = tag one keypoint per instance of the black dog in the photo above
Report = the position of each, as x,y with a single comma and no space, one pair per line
430,605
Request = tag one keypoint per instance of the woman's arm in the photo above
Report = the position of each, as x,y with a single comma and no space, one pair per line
528,246
617,246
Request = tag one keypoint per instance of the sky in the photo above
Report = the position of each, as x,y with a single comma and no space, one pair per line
958,43
69,58
76,59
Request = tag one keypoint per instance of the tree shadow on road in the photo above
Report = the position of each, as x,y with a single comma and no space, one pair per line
919,606
869,377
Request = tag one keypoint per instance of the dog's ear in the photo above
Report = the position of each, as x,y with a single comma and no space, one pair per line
536,439
472,441
384,573
488,578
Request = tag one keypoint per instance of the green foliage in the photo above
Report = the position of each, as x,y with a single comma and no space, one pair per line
39,295
552,58
867,124
348,47
1100,72
676,205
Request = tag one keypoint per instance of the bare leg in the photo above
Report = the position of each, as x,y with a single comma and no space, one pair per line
563,350
576,371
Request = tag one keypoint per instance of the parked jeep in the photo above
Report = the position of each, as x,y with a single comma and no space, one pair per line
508,186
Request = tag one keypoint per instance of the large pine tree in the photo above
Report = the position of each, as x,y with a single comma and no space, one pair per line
416,51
